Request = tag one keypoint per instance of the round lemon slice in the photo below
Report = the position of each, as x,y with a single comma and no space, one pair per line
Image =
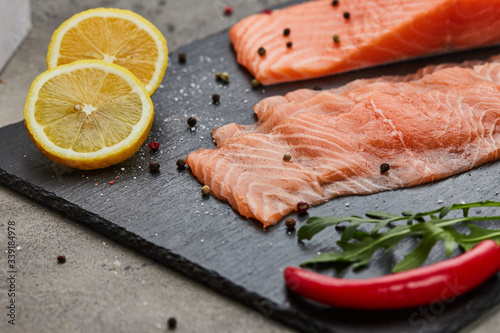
88,114
114,35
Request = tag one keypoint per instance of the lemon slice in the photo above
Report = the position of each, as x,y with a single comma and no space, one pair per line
113,35
88,114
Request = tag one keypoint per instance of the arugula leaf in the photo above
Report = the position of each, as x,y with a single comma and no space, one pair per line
358,247
358,253
476,235
431,235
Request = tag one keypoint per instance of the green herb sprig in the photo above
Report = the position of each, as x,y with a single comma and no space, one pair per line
429,227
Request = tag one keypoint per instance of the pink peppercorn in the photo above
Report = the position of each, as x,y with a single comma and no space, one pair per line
267,11
154,146
228,10
303,206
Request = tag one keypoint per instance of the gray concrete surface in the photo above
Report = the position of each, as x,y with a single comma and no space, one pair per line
104,287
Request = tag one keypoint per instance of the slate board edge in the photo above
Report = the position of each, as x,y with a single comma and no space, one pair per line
164,256
209,278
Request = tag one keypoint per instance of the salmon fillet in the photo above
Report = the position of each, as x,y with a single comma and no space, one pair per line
430,125
376,32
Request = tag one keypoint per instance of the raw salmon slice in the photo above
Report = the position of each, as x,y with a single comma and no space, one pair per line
439,122
376,32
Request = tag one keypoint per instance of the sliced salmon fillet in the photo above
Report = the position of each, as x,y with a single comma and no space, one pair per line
438,122
376,32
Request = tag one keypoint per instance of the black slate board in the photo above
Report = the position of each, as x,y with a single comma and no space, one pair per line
165,217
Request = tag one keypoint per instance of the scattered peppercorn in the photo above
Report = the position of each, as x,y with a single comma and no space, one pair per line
290,223
335,3
286,32
339,227
347,15
192,121
255,83
224,77
289,45
228,10
217,75
316,87
267,11
336,39
303,206
182,58
384,167
287,156
111,182
215,98
154,146
96,183
154,166
181,164
172,323
261,51
205,189
61,259
77,107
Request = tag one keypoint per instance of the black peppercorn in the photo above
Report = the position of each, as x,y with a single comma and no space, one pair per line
290,223
172,323
339,227
316,87
335,3
286,32
261,51
384,167
181,164
61,259
289,45
336,39
182,58
347,15
191,121
215,98
154,166
255,83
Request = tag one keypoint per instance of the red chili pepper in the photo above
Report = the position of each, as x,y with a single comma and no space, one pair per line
420,286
